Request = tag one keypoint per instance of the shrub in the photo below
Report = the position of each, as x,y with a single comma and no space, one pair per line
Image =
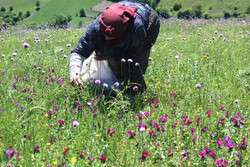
153,4
210,8
69,18
177,6
236,14
20,14
82,13
59,19
162,12
197,10
11,8
27,14
16,19
186,14
206,16
3,9
227,15
248,10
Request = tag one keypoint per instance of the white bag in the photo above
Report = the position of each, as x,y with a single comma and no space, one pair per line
95,70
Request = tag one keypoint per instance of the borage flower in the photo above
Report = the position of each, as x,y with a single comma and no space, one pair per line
219,142
221,162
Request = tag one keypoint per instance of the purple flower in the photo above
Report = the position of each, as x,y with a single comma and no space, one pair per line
139,115
197,86
36,149
22,109
227,139
194,139
130,60
1,112
131,134
192,130
219,142
26,45
202,154
204,129
230,145
98,82
116,84
75,123
227,113
123,60
105,85
212,154
221,162
198,121
15,84
135,88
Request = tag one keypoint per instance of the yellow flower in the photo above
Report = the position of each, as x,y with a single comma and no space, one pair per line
48,144
97,135
55,162
46,125
46,115
148,129
73,160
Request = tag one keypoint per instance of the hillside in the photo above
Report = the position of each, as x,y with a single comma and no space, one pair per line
71,9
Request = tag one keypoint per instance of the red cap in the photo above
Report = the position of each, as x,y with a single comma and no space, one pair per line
115,19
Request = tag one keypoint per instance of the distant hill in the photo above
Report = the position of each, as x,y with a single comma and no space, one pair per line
27,11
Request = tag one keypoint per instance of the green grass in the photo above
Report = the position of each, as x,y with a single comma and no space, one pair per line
184,55
218,6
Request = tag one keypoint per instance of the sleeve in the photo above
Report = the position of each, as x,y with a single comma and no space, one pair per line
83,50
139,35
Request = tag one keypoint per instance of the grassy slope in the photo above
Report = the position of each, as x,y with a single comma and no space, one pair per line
60,6
218,6
22,5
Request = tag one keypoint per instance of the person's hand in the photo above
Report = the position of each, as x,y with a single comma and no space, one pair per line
76,81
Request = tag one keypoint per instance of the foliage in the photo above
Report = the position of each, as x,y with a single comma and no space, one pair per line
177,6
11,8
197,10
27,14
60,19
82,13
227,14
162,12
248,10
3,9
153,4
186,14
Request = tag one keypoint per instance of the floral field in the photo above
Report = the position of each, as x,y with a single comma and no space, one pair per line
194,113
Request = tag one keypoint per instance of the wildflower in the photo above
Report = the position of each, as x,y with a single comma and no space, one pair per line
227,139
22,109
212,154
91,159
227,113
221,107
144,155
98,82
10,153
73,160
221,162
204,129
60,122
65,151
230,145
194,139
75,123
192,130
14,84
184,152
131,134
118,116
151,133
243,146
137,64
130,60
142,129
111,132
197,86
105,85
208,113
82,154
156,105
219,142
116,84
1,112
135,88
146,114
123,60
170,153
174,124
26,45
103,158
163,128
202,154
139,115
36,149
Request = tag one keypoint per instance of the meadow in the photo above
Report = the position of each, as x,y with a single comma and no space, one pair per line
194,113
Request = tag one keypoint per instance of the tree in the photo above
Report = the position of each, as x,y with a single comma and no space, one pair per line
163,12
59,19
20,14
27,14
197,10
227,15
16,19
153,4
248,10
177,6
37,5
3,9
82,13
11,8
